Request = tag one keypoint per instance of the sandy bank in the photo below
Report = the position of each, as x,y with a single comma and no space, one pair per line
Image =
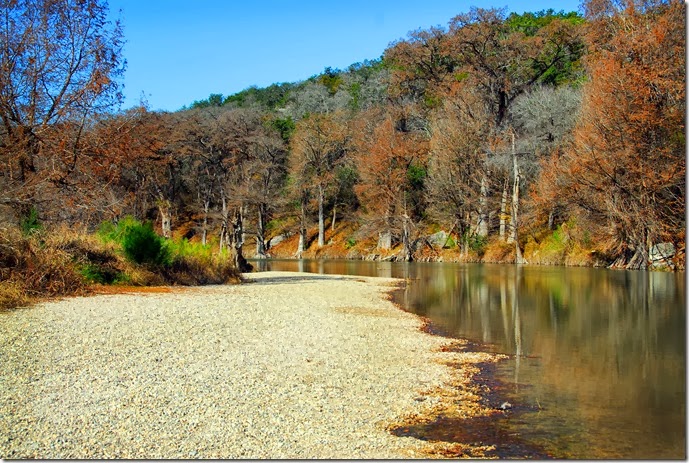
284,366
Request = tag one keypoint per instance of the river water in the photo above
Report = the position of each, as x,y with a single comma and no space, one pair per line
597,357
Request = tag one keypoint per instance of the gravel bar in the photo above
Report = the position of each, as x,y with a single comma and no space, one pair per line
285,365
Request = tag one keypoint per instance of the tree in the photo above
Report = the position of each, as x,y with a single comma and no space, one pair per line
475,70
503,59
313,97
59,64
213,100
390,160
625,173
319,144
421,66
457,177
237,136
195,140
544,119
267,172
136,151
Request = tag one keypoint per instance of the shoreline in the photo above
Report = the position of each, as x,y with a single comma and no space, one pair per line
495,252
465,434
283,366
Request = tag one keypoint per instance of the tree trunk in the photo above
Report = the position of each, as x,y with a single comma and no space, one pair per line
503,210
224,222
27,147
482,226
385,237
243,210
465,232
514,236
640,259
165,217
385,240
301,247
407,251
204,225
321,217
261,232
332,225
514,207
237,233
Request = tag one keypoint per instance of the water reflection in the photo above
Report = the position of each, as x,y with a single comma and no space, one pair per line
599,354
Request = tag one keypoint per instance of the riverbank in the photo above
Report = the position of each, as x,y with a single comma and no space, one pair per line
568,245
284,366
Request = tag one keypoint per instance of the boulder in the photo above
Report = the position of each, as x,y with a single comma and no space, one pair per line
661,253
276,240
438,239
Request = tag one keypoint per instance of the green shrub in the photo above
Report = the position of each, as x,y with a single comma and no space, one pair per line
476,243
185,248
101,274
30,224
350,243
108,231
275,224
143,246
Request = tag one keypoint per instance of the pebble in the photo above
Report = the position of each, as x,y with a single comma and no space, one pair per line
286,366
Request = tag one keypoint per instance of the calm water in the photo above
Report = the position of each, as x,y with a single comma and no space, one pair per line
597,364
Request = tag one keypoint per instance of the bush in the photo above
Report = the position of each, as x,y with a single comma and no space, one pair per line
477,243
61,262
30,223
110,232
143,246
94,272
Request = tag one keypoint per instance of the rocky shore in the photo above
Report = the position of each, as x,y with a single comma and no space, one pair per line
284,365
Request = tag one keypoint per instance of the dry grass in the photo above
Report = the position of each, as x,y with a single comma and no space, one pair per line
60,262
499,252
35,267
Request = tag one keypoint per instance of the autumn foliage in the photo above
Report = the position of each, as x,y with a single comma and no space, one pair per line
626,170
502,131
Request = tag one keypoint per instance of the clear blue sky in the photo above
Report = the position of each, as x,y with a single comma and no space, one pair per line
179,51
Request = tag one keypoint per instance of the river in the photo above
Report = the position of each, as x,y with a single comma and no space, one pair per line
597,357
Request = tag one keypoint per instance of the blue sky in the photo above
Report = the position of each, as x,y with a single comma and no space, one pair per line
179,51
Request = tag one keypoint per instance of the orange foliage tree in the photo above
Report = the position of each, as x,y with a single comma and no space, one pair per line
626,171
132,159
389,161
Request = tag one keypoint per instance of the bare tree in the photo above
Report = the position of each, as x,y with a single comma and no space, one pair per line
318,145
457,180
544,119
59,63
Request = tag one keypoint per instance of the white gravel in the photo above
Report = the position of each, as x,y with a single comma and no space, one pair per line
285,366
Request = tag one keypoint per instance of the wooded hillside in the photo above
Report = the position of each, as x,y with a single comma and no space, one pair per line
546,137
